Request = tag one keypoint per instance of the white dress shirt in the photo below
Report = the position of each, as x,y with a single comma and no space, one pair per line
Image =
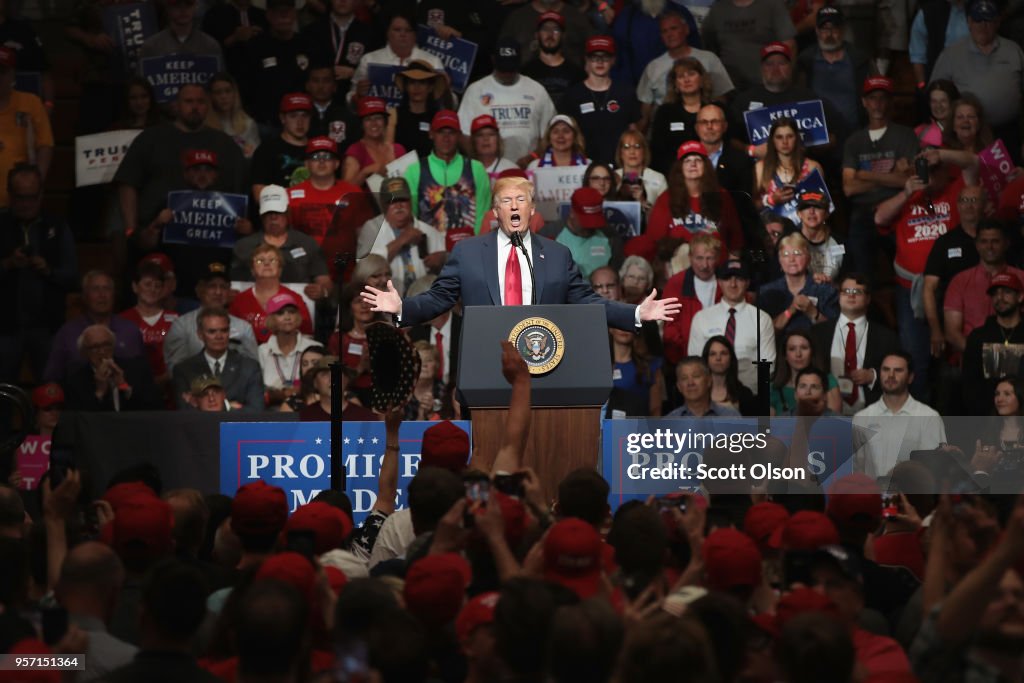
885,438
837,355
211,361
711,321
281,370
504,246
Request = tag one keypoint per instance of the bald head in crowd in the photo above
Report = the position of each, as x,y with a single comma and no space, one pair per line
90,579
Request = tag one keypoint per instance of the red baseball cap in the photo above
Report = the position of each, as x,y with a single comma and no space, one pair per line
330,525
513,513
445,445
776,48
761,520
806,530
476,613
435,587
730,560
296,101
321,144
143,527
872,83
8,57
200,157
446,118
336,578
483,121
801,601
572,557
368,106
1005,280
691,147
600,44
588,208
514,173
551,16
453,236
900,550
279,301
292,568
162,260
47,395
855,502
118,494
259,509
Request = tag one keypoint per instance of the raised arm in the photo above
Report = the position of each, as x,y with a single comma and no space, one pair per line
517,426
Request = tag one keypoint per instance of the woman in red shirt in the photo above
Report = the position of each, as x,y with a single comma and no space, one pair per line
353,349
251,305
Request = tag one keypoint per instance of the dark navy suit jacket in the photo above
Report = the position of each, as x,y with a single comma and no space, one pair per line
472,274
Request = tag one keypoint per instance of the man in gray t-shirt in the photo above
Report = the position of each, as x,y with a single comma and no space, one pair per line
736,30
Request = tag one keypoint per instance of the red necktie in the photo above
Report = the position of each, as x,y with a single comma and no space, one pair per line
730,327
850,362
513,280
438,341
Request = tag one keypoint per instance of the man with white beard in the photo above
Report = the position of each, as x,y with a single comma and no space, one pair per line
637,30
835,68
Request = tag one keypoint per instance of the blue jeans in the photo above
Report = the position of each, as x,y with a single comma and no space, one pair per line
915,340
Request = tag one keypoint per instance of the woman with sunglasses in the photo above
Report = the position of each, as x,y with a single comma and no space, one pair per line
795,301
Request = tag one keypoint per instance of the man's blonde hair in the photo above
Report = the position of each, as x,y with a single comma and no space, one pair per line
511,183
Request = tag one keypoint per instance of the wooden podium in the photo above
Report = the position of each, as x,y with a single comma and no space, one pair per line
568,342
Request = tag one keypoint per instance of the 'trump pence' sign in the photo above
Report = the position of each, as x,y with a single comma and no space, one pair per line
98,156
297,457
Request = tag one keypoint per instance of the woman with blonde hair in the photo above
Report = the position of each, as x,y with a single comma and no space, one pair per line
784,165
226,114
688,88
637,180
795,301
563,145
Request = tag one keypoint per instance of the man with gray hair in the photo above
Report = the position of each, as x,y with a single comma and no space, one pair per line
90,580
107,381
693,380
98,300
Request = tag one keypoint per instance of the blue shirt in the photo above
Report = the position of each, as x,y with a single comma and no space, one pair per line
836,82
714,410
775,297
956,29
626,378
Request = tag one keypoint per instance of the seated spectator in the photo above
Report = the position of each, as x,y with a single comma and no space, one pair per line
279,355
675,119
826,253
233,24
424,93
603,106
182,342
549,66
349,342
563,145
400,50
585,230
152,320
278,159
154,163
240,375
320,410
98,301
375,150
637,181
24,125
275,63
443,332
329,118
251,305
299,257
411,246
694,204
795,301
784,165
636,371
636,277
314,203
726,388
693,380
810,398
340,39
306,393
373,270
182,36
139,109
105,381
941,96
773,228
983,363
799,354
37,269
487,147
227,114
601,177
452,191
208,395
428,393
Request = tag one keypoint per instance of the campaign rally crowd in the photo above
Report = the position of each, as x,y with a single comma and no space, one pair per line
834,189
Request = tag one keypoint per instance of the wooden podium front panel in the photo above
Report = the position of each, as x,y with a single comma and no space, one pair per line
560,441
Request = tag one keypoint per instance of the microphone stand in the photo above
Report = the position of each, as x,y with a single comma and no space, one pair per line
338,473
517,241
764,366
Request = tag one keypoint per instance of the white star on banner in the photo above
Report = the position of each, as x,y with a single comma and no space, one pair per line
319,441
361,440
347,440
375,439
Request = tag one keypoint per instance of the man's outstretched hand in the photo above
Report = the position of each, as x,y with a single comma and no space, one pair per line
658,309
385,301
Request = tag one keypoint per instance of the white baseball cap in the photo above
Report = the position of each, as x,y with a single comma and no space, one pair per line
273,198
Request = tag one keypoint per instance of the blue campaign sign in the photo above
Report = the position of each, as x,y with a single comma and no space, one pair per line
382,83
456,55
813,181
168,73
809,116
297,457
205,219
658,456
129,26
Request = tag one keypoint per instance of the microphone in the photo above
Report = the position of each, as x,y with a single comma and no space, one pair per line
517,241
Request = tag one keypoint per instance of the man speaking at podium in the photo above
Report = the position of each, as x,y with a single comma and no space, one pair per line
473,273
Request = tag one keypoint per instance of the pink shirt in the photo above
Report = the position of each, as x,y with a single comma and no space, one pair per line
968,294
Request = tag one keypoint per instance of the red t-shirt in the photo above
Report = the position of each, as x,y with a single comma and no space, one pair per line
968,293
246,307
351,353
663,224
1011,202
153,336
879,654
920,224
312,211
